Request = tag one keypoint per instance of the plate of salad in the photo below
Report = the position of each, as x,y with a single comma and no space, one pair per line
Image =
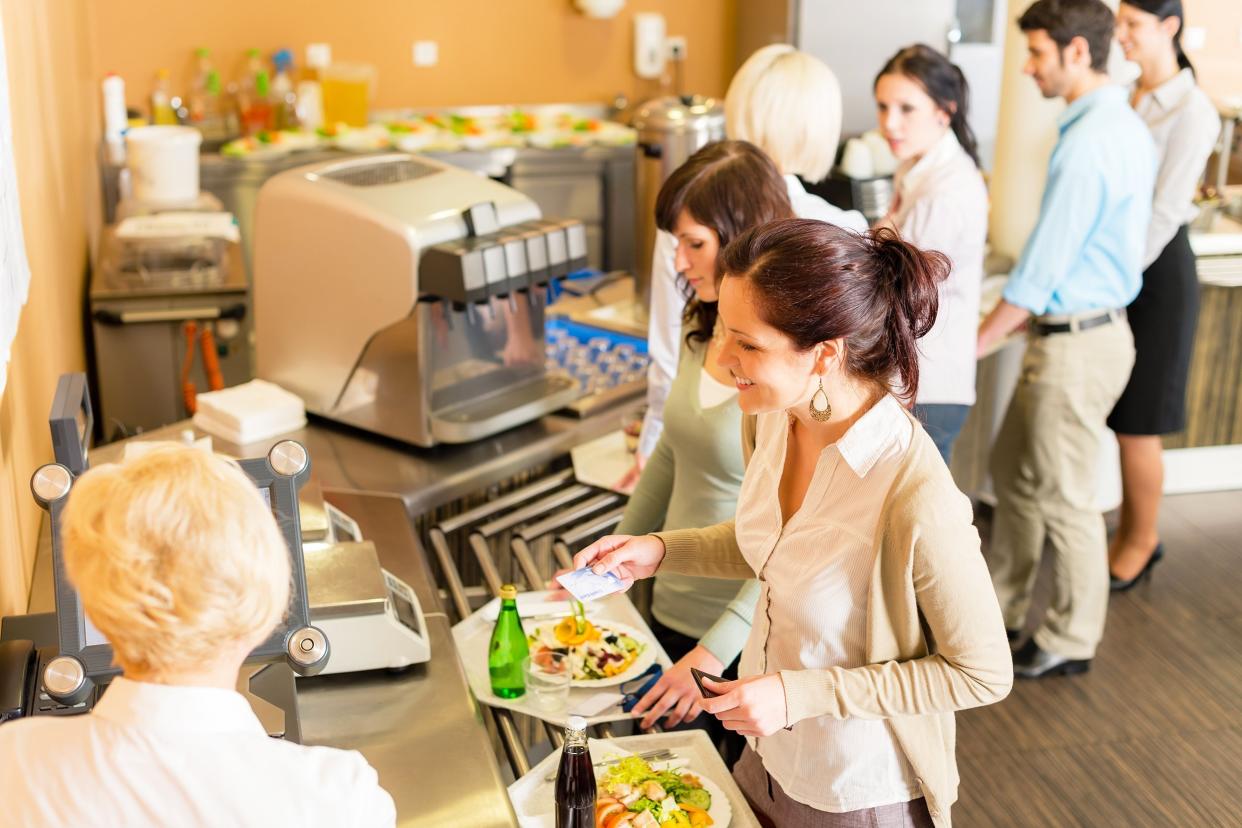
602,653
632,794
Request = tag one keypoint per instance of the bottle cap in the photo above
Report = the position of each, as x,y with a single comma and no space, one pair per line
508,592
576,723
202,51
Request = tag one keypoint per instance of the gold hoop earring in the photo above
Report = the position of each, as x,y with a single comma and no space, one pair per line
821,415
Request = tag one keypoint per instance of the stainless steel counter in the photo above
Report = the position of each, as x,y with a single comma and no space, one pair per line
343,458
422,729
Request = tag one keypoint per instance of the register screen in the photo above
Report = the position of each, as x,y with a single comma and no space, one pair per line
93,636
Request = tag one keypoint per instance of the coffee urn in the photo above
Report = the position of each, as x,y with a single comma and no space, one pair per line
670,130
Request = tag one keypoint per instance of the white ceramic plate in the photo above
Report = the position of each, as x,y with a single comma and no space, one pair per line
645,659
721,811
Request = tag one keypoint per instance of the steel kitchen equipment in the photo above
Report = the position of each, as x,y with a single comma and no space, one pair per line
406,297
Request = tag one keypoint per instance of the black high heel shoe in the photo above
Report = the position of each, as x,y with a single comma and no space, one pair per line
1121,584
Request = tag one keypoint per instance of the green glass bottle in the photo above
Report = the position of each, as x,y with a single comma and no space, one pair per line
508,648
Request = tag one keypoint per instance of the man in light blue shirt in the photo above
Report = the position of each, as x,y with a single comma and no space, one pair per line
1079,270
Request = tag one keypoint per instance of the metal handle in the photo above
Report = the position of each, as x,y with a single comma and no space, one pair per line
106,317
526,562
518,760
457,593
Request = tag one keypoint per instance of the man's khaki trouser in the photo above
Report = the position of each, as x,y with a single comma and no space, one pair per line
1044,469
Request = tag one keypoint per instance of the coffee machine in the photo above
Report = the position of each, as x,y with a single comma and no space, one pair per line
407,297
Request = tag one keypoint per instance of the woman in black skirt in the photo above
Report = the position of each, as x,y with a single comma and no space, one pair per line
1185,125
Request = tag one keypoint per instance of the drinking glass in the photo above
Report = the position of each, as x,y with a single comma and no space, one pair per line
548,677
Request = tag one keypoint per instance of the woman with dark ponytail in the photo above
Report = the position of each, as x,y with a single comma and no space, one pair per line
1185,125
876,619
941,203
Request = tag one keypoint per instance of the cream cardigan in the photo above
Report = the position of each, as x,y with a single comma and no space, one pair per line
936,642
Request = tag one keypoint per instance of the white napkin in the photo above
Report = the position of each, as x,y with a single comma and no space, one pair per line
249,412
175,224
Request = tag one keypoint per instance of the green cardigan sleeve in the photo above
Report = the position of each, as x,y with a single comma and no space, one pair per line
712,552
649,502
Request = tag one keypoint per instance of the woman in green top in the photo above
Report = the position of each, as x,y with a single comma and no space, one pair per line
694,473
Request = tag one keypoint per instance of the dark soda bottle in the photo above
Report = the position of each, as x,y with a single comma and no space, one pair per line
575,779
507,648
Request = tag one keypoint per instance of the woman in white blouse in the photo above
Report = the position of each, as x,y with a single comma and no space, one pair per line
788,104
876,619
1185,125
940,203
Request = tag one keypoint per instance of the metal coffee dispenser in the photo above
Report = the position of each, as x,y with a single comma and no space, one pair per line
407,297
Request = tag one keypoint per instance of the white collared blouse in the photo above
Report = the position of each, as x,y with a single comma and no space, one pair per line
1185,125
814,573
941,203
159,755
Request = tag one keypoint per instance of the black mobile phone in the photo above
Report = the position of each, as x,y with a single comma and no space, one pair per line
699,675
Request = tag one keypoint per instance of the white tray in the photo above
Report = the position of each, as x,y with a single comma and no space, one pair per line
474,633
532,794
603,462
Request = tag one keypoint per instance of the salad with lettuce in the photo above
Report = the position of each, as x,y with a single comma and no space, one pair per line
634,795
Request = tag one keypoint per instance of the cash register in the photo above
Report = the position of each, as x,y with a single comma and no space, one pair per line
70,676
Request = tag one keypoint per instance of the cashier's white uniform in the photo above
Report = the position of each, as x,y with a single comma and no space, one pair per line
155,755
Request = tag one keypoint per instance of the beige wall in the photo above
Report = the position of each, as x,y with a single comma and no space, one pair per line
54,115
1219,62
491,51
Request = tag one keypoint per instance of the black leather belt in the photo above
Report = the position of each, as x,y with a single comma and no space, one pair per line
1085,323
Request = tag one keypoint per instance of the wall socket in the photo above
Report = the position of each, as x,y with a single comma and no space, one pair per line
426,53
675,47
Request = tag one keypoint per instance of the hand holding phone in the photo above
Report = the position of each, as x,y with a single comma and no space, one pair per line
699,675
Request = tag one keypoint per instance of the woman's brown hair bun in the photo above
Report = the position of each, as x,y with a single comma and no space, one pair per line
816,282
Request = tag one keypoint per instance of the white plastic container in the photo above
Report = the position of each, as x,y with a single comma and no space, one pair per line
115,119
163,163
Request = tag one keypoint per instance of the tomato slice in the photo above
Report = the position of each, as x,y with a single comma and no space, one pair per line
606,807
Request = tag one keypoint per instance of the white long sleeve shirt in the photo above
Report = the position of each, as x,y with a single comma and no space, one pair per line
1185,125
157,755
668,301
942,204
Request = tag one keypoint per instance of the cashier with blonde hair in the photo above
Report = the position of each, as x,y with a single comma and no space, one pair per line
179,563
788,104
